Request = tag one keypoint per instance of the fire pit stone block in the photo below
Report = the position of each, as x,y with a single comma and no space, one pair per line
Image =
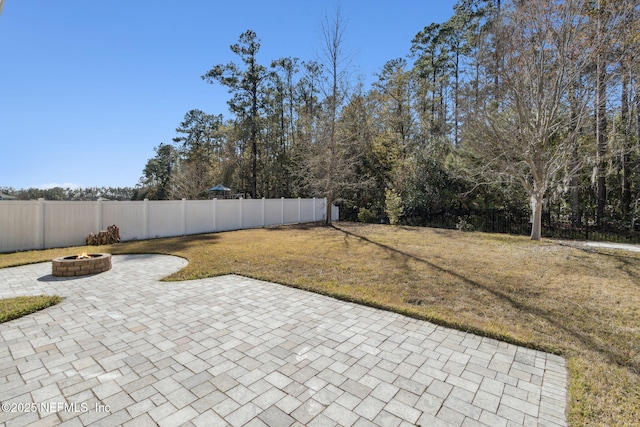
71,267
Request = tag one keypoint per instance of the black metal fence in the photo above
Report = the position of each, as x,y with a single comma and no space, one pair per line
515,221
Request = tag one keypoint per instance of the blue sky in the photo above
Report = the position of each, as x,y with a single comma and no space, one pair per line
88,88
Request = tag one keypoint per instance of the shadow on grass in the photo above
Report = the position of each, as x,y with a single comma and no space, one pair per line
607,351
163,245
629,264
297,226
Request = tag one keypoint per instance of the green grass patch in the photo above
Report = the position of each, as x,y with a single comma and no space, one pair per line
578,302
13,308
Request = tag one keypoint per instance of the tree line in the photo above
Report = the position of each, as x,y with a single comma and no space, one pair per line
68,193
508,104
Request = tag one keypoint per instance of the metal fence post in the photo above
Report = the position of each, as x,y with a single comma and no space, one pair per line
586,224
493,220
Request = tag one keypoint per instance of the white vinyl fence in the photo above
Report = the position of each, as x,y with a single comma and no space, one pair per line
40,224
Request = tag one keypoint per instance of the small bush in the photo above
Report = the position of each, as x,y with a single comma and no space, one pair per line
463,224
365,215
393,206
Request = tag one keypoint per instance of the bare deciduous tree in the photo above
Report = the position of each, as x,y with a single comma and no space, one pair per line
328,165
191,180
527,135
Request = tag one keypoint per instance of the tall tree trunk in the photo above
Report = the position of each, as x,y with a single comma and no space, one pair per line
626,157
537,199
333,48
573,163
497,53
575,191
457,89
637,101
254,142
601,128
637,108
433,95
442,119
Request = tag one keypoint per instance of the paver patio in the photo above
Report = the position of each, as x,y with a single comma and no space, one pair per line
123,348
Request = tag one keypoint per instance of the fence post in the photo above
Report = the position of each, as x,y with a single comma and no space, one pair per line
241,199
314,209
282,210
99,216
41,222
299,210
184,216
145,217
324,208
263,208
215,208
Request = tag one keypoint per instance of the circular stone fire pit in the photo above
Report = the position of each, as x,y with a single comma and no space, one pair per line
80,265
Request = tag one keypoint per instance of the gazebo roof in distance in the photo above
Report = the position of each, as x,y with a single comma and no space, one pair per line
219,187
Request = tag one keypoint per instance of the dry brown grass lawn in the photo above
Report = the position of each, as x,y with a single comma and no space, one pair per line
583,304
